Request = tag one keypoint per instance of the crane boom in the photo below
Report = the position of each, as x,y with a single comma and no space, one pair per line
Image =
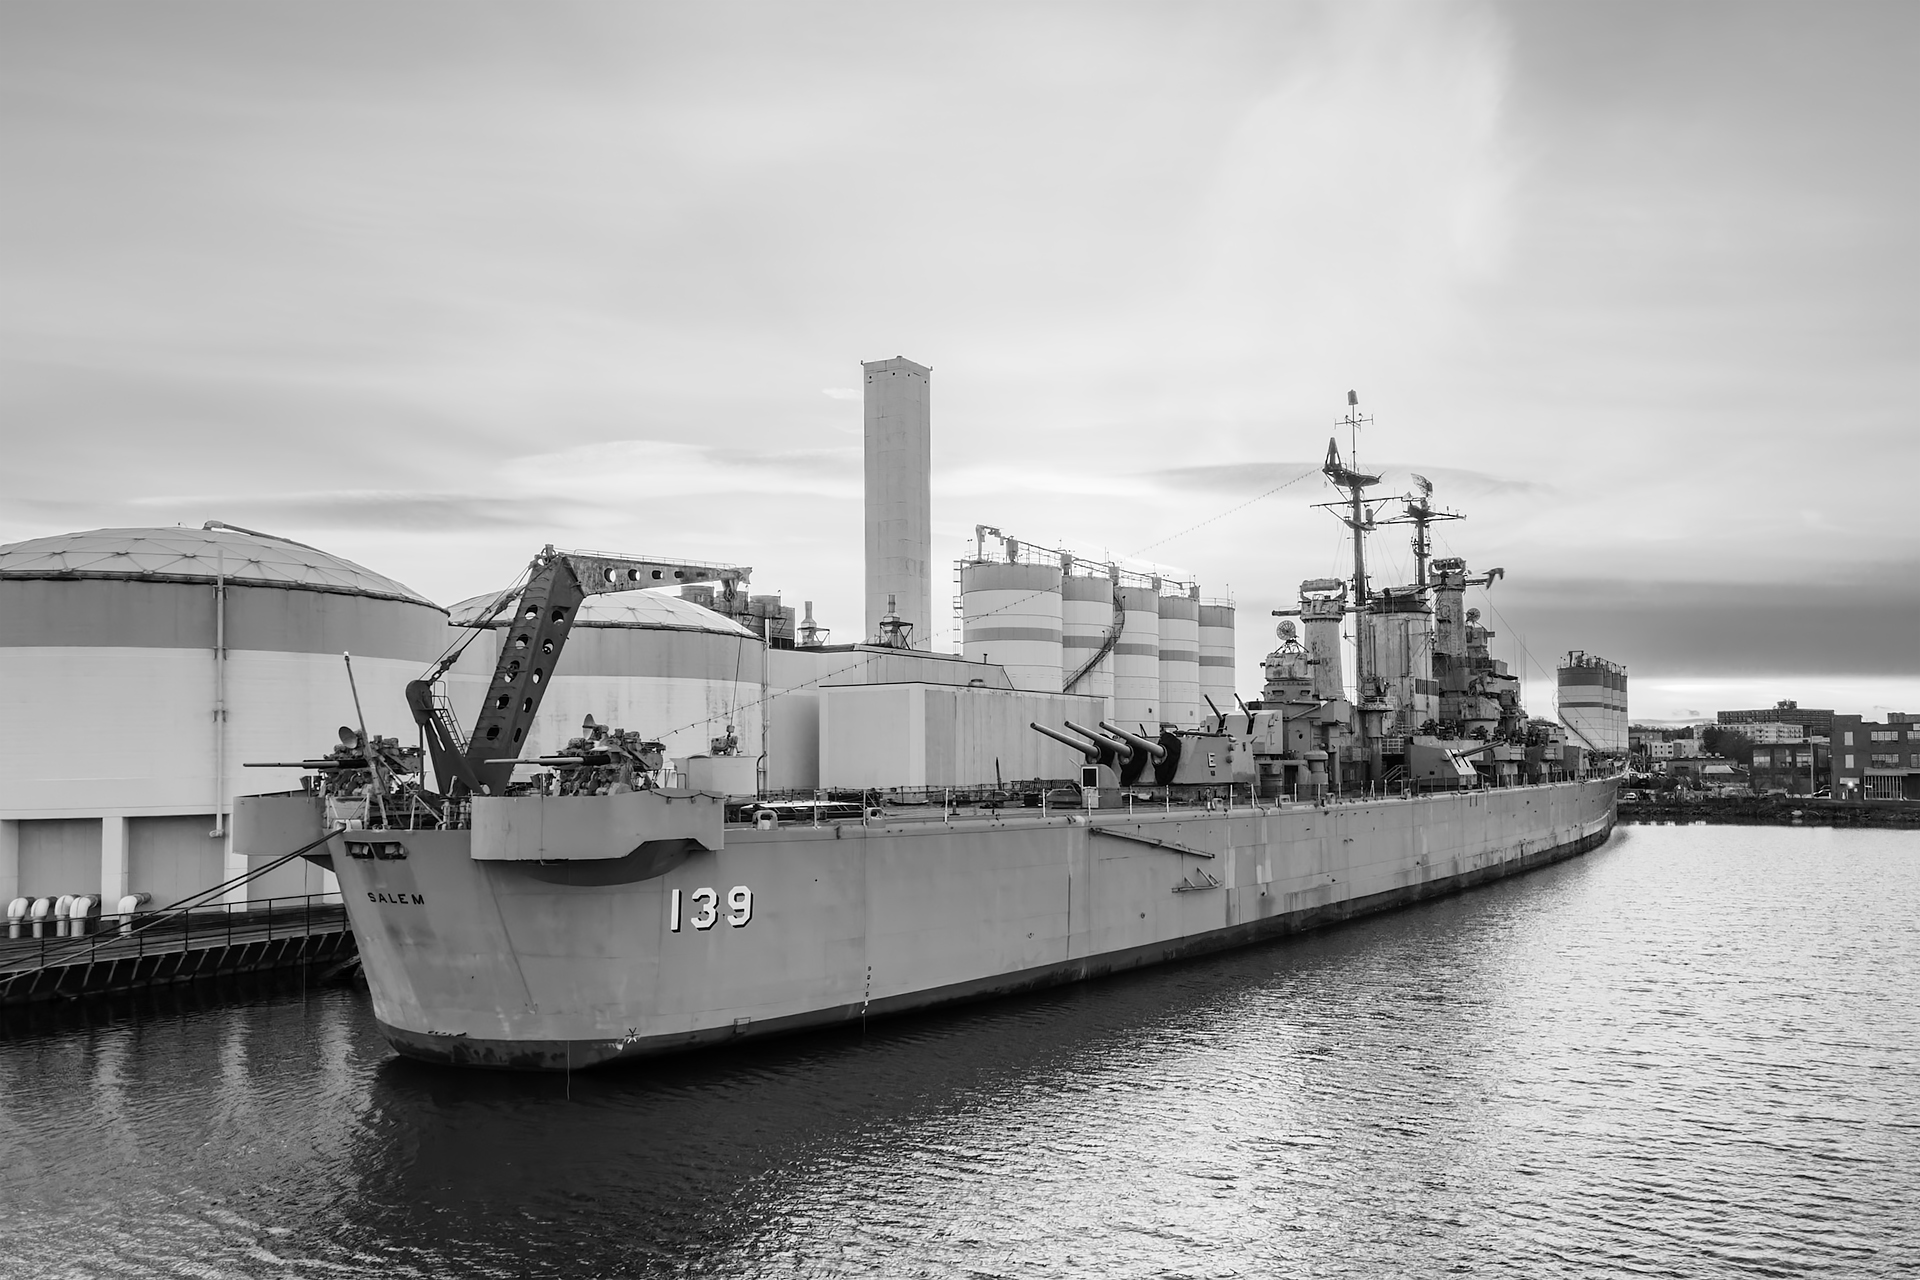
530,648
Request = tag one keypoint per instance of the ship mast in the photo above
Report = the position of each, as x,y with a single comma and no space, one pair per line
1421,513
1357,518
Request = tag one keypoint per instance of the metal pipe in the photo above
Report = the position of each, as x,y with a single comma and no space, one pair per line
366,744
766,703
219,695
1154,750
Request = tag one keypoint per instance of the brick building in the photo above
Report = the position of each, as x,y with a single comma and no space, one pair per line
1791,769
1874,760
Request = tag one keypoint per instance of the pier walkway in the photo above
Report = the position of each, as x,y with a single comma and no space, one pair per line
156,949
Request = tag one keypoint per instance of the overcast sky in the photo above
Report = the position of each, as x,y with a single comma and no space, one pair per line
430,285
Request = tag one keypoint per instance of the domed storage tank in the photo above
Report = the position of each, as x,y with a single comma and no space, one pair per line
1216,656
115,769
1136,659
1180,660
1086,616
655,664
1010,615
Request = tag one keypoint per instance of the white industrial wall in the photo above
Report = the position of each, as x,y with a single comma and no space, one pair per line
1011,616
899,495
920,735
108,687
793,752
1086,615
1136,660
1179,661
1217,657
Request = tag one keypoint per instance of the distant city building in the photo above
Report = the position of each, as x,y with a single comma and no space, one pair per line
1767,733
1686,748
1797,769
1818,723
1875,760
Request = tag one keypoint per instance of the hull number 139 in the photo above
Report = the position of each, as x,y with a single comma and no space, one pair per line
701,908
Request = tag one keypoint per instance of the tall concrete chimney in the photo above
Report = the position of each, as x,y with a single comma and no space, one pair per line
899,496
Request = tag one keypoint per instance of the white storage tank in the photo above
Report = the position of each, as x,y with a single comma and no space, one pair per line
1010,615
644,661
1180,660
1086,616
1136,659
1216,656
144,668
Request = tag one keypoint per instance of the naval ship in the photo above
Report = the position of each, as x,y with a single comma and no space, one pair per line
583,907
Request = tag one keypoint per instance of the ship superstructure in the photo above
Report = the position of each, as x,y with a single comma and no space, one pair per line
589,903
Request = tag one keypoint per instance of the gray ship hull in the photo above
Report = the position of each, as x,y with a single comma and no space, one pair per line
546,967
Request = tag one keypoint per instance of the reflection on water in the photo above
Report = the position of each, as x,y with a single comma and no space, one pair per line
1690,1053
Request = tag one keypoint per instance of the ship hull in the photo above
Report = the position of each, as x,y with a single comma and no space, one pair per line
552,967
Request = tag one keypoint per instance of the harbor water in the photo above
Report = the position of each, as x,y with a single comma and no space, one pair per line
1689,1053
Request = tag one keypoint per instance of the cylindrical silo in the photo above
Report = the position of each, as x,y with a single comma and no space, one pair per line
658,665
1180,660
144,668
1136,659
1086,620
1216,657
1011,616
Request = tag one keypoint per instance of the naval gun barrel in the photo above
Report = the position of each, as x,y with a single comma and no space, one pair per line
1155,752
1121,751
326,765
592,758
1087,749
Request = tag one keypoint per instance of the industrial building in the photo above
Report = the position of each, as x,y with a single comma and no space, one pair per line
1593,701
144,669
